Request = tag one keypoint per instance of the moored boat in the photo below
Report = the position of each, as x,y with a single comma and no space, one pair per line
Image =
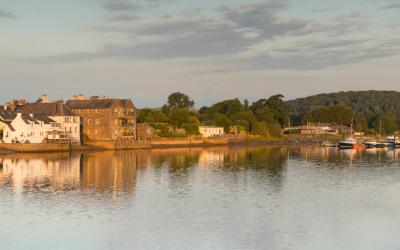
370,144
348,143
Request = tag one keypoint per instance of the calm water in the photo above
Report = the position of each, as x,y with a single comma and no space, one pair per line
217,198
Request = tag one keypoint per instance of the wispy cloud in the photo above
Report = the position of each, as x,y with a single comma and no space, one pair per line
6,14
247,36
392,6
121,5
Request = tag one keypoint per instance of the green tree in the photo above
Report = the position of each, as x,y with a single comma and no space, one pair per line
178,100
179,116
335,114
386,123
151,116
260,128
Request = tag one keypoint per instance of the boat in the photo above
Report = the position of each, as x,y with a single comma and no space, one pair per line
392,142
348,143
370,144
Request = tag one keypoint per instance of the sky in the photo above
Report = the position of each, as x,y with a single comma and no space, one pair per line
210,49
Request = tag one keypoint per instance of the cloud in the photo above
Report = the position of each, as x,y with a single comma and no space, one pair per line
250,36
392,6
6,14
121,6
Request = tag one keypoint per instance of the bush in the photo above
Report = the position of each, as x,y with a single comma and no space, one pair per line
191,128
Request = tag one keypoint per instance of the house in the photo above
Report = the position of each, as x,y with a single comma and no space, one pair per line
16,127
57,111
312,129
211,131
105,118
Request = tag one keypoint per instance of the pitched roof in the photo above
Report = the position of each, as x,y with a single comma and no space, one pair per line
99,103
49,109
8,123
7,115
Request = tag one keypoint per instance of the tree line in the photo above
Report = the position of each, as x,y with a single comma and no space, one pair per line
367,111
264,117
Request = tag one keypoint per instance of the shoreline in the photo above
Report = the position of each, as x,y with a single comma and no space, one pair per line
247,143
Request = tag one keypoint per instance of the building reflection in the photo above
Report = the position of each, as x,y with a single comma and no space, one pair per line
112,169
118,171
37,171
106,170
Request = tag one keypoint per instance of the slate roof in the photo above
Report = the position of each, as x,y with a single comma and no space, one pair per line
99,104
48,109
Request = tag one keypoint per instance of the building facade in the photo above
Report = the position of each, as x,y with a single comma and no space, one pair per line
104,118
211,131
59,112
30,129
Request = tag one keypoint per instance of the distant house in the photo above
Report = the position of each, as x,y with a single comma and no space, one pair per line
211,131
104,118
57,111
317,130
29,128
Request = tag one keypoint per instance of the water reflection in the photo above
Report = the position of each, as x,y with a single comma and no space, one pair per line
275,197
117,170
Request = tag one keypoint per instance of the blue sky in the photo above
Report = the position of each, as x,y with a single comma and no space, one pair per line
211,50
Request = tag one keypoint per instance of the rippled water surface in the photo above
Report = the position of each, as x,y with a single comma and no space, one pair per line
215,198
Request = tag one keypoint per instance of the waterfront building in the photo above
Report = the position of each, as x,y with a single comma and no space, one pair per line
211,131
16,127
105,119
144,131
57,111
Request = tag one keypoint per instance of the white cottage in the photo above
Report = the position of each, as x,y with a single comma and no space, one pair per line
29,128
211,131
58,112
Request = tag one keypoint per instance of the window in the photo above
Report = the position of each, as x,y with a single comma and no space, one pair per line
76,129
89,121
97,121
89,131
89,110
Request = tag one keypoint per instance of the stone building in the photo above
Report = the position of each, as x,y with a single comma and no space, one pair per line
105,119
144,131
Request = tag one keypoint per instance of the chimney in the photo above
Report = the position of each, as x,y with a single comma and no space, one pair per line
44,99
79,97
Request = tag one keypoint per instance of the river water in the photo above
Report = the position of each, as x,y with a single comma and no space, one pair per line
276,197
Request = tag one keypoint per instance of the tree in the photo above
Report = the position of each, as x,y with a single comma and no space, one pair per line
179,116
151,116
178,100
335,114
385,123
278,108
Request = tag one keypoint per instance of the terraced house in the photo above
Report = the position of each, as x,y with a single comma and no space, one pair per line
57,111
105,119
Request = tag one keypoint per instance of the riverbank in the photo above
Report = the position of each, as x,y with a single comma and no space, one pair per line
161,143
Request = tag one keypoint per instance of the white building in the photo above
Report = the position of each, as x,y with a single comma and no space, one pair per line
211,131
58,112
29,128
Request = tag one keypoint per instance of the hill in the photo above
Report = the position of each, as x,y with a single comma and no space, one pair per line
366,104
